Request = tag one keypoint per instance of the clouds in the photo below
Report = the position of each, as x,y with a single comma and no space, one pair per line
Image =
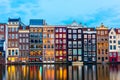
63,11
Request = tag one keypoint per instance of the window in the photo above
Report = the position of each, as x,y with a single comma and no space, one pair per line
56,30
69,51
60,35
74,44
79,35
98,32
70,44
23,40
69,36
20,40
64,40
69,31
74,31
110,47
64,46
56,40
110,41
114,47
64,35
74,36
110,37
64,29
79,31
102,32
27,47
85,36
52,35
44,35
12,29
9,51
93,41
12,52
114,41
16,52
12,36
85,53
56,35
74,51
60,29
93,36
119,42
44,46
114,37
16,36
110,54
106,32
79,51
79,44
27,40
26,35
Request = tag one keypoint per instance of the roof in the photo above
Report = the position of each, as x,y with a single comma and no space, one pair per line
118,31
37,22
14,19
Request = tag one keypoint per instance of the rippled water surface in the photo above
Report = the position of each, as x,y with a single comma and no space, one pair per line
60,72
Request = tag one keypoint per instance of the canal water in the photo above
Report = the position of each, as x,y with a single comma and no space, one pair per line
60,72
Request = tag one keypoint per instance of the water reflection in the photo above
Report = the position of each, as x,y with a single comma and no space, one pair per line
60,72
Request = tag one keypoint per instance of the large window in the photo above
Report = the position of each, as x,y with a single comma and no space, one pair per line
74,51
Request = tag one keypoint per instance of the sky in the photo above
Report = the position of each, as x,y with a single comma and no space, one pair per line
60,12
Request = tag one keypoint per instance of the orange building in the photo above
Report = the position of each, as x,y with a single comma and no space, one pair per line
102,44
48,44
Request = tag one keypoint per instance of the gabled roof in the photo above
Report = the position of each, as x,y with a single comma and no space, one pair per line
102,26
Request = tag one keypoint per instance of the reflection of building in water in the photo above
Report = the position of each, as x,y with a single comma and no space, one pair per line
60,72
35,72
90,72
103,72
114,72
48,72
2,72
75,73
17,73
